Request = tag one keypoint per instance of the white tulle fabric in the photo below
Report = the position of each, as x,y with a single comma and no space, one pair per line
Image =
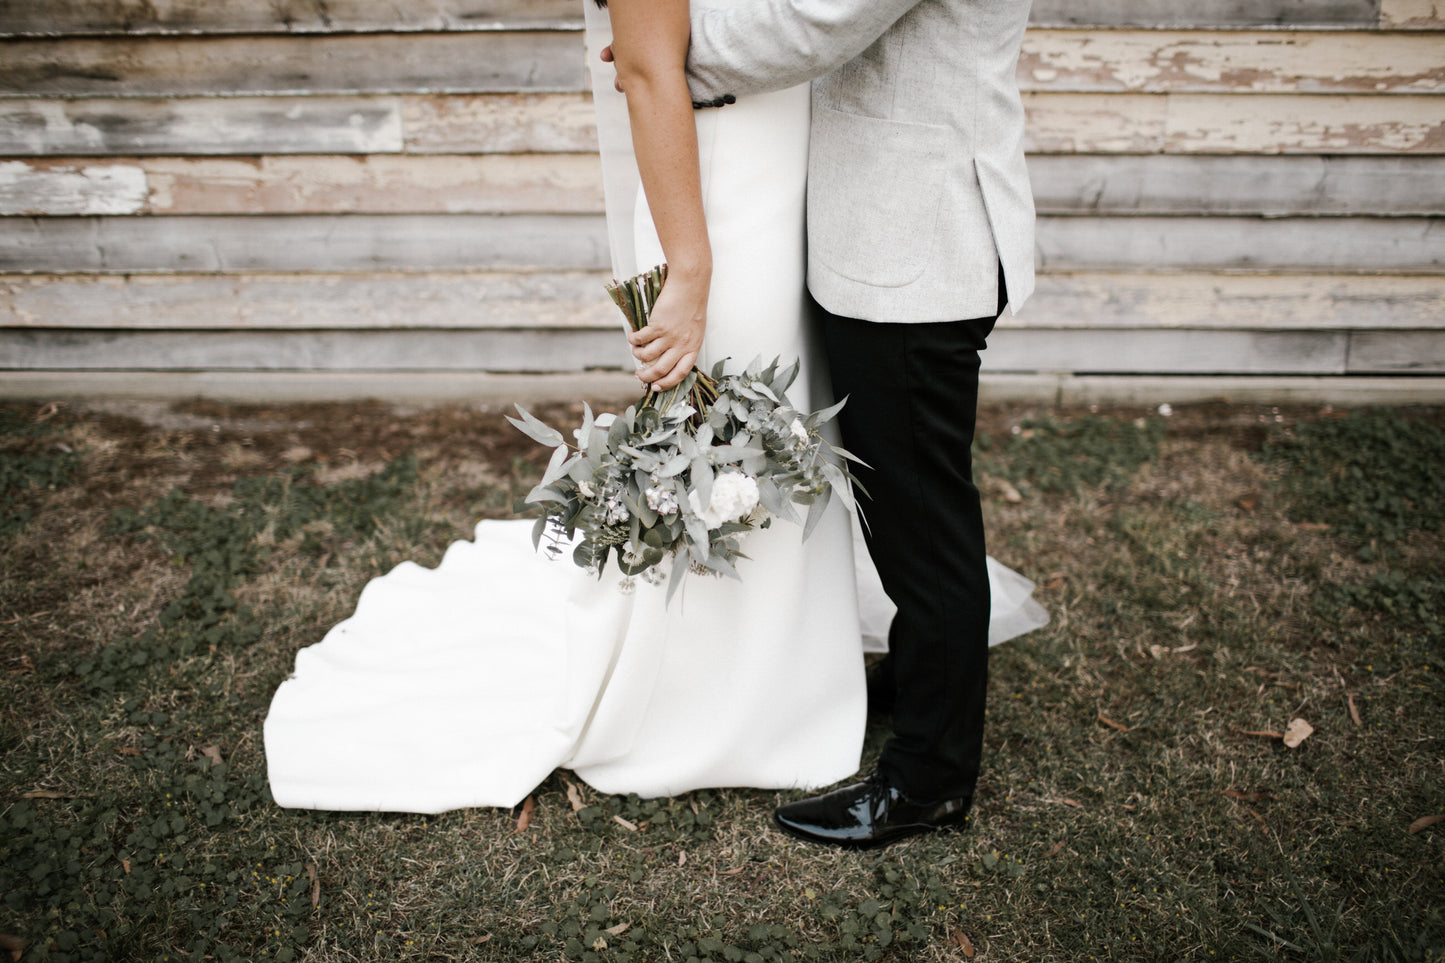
467,684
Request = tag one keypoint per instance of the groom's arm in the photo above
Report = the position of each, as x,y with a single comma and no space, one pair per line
751,46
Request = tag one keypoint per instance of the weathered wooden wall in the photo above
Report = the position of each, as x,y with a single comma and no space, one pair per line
1234,195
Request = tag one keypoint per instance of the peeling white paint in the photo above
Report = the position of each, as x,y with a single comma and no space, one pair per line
1265,61
30,189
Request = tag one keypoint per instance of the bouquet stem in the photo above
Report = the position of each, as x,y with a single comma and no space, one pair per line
636,297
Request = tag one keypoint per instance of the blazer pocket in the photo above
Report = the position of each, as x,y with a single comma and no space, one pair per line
874,192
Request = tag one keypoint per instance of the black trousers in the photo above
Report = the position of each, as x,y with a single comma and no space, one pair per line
912,401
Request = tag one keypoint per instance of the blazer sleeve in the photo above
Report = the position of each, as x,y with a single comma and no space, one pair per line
752,46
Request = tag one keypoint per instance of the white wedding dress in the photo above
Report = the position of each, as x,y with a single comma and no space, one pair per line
468,684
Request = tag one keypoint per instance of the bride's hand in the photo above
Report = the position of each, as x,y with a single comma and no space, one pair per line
668,346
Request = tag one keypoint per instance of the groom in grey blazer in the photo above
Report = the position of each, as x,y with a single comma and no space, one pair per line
920,232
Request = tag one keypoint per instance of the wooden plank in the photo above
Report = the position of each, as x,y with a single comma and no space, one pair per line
607,390
1068,61
1236,184
1204,13
612,390
485,124
574,299
378,184
243,125
71,188
527,123
1092,300
1160,61
499,123
1412,14
361,242
1273,123
537,60
1397,352
1186,351
368,242
1233,124
154,17
1146,390
1337,245
105,17
381,184
416,350
328,301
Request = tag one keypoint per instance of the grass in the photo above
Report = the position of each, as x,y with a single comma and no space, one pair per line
1211,577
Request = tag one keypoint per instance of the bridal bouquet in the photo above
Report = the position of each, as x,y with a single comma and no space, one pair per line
686,472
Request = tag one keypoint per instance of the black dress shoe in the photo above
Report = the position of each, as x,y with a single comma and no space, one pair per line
867,814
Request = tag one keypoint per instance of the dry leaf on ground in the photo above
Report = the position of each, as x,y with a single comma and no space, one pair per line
524,818
574,796
213,753
625,823
1354,713
1247,796
1112,724
961,940
1297,732
315,884
14,944
1423,822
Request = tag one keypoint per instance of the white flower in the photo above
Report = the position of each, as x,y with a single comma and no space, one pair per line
1166,409
662,500
799,431
733,496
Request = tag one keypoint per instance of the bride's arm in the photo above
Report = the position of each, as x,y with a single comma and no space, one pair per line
649,39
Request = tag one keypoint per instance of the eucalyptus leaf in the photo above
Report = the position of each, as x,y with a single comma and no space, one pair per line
765,391
824,416
702,478
536,430
839,484
785,378
697,537
722,566
815,512
544,493
617,432
675,465
556,466
674,581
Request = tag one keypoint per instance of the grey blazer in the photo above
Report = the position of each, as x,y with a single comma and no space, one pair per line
917,188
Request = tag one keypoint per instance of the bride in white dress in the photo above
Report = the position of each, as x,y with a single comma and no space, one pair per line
468,684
